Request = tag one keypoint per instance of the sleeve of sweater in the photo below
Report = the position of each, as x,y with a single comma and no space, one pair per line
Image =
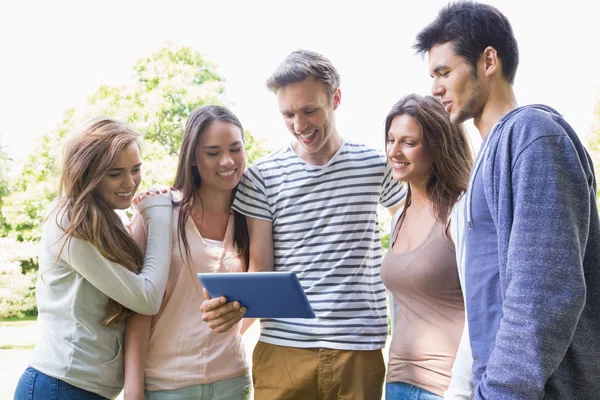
461,382
140,293
542,221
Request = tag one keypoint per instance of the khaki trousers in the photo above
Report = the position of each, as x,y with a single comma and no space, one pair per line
292,373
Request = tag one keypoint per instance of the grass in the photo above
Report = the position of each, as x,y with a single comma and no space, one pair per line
13,321
18,337
17,347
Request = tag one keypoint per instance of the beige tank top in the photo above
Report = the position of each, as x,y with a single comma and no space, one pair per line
430,319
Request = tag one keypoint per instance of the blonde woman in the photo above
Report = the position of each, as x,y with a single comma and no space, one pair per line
92,274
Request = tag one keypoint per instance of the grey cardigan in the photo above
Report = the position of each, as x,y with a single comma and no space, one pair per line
72,297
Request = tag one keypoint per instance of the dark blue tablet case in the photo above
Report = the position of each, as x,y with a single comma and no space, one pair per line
264,294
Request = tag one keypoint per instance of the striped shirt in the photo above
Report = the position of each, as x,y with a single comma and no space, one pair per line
325,229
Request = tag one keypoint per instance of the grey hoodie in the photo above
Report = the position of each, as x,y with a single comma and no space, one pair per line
540,187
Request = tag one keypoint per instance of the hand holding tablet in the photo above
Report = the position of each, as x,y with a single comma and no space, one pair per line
264,294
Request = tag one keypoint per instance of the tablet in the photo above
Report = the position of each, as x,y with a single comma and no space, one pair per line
264,294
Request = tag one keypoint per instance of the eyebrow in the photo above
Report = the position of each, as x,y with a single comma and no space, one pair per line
303,108
404,135
218,147
437,69
121,169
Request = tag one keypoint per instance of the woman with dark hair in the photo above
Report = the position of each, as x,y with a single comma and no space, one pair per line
92,274
432,156
175,355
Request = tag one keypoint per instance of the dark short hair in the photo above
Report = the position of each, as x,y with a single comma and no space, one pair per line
304,64
471,27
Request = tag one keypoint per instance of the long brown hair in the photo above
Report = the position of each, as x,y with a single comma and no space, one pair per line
87,159
448,145
187,179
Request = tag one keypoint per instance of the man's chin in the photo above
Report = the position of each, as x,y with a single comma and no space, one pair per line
460,118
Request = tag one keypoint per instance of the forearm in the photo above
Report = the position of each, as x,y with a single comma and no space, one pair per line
532,340
157,260
137,336
143,292
261,245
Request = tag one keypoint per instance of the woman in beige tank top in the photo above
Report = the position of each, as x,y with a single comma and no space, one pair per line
432,155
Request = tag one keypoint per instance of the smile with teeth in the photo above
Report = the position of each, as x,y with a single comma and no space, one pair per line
124,194
226,173
397,164
307,136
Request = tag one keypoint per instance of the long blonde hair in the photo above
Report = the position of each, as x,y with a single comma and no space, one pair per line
87,159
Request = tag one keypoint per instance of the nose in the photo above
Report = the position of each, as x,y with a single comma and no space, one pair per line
393,149
437,89
226,160
129,182
299,124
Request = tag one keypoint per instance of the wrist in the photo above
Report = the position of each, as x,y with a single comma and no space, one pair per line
133,393
162,199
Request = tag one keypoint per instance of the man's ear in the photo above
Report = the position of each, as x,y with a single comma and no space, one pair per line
337,98
491,61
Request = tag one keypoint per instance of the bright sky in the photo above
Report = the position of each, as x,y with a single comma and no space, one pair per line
56,53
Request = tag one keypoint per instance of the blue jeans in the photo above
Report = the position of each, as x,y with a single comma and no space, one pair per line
238,388
404,391
35,385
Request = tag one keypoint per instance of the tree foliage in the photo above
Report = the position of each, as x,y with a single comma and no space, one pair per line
167,85
4,188
17,284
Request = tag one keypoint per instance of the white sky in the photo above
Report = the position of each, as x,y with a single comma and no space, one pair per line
56,53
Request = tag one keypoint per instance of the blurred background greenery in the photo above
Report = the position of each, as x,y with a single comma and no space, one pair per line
166,86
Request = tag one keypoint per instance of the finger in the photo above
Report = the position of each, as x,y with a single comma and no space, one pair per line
223,315
211,313
212,304
228,321
206,294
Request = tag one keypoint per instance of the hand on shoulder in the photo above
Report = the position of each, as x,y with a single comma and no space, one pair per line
151,192
152,197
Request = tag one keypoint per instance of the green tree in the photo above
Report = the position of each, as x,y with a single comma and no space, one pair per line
24,207
4,171
167,85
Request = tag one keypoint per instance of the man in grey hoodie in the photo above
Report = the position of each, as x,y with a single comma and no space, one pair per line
533,233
